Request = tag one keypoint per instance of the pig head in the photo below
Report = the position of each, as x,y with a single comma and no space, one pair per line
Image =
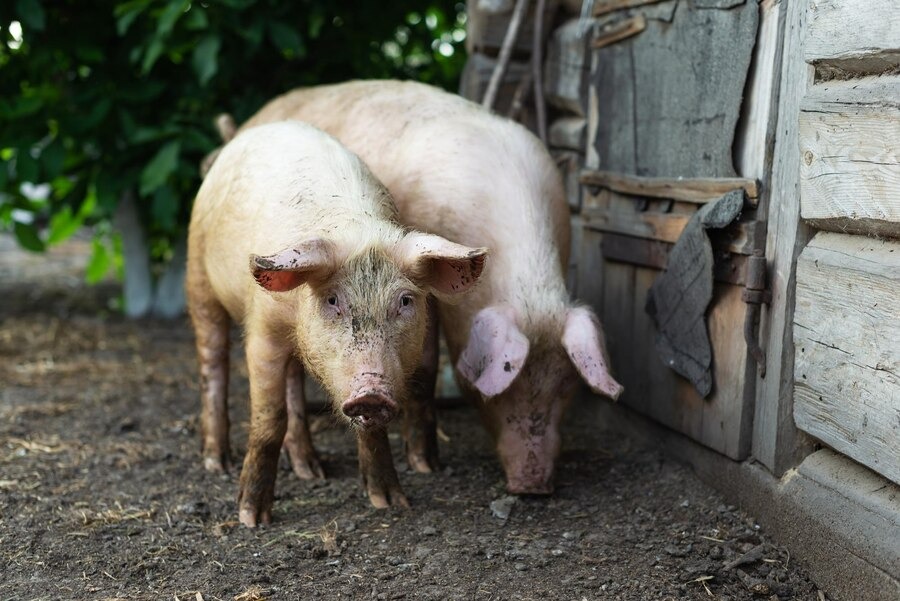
364,312
527,382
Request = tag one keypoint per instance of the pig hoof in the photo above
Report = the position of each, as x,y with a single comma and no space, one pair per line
423,464
217,464
250,516
307,468
384,498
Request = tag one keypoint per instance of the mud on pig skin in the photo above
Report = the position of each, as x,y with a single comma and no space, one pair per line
456,170
294,238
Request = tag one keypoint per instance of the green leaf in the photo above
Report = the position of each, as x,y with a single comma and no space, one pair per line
196,19
62,225
152,54
100,262
169,16
286,39
27,236
32,14
157,171
205,59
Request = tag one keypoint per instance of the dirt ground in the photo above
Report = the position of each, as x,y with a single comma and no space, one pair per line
103,496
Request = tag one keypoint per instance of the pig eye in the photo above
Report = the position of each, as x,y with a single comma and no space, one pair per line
405,300
332,300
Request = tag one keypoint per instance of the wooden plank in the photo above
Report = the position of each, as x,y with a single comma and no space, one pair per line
485,30
728,267
669,99
591,275
755,136
777,444
698,190
567,67
602,7
620,214
723,420
855,35
620,31
847,334
850,155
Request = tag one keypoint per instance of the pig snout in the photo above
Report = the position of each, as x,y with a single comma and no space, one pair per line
371,404
529,461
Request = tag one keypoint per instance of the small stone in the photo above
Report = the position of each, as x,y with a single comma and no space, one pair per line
685,503
569,535
520,567
502,507
349,527
394,561
556,552
715,552
429,531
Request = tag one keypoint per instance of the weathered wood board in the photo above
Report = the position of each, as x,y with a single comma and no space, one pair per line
847,340
777,444
569,163
567,68
618,292
850,155
857,35
669,98
485,30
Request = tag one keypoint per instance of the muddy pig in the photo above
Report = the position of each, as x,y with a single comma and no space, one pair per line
293,237
458,171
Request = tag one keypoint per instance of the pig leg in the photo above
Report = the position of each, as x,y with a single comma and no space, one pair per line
420,422
377,468
297,441
267,363
211,325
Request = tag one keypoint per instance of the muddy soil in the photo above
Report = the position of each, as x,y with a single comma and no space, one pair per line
103,496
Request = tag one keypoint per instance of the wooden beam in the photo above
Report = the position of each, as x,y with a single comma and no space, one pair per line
846,336
728,267
777,444
602,7
850,164
620,31
858,36
739,238
695,190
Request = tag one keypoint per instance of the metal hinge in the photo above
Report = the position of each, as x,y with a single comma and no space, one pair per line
755,294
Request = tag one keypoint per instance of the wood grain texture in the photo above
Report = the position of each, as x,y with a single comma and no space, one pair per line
847,338
777,444
669,98
854,30
697,190
567,67
602,7
850,155
661,219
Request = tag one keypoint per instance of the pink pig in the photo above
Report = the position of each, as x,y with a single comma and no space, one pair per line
292,237
458,171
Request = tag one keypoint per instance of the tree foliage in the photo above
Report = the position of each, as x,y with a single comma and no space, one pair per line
99,99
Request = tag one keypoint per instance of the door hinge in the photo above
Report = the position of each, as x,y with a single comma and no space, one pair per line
755,294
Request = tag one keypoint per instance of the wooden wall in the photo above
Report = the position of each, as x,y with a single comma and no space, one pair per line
846,323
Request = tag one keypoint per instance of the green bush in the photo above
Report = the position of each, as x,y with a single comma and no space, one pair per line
100,99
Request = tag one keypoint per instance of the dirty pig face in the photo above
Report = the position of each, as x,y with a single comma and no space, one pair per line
525,419
364,337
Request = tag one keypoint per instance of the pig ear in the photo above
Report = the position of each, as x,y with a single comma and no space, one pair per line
495,353
583,341
445,267
285,270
